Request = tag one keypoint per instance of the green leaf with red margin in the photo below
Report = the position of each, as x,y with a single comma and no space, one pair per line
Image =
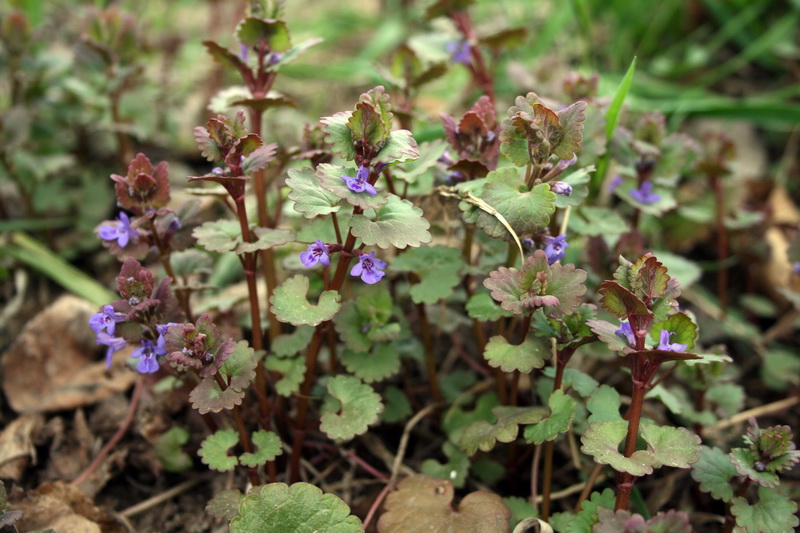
568,140
483,435
683,327
622,303
648,278
398,223
399,147
290,303
207,397
338,135
330,179
558,288
258,158
532,353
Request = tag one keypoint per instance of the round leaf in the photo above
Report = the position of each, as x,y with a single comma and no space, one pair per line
352,408
290,304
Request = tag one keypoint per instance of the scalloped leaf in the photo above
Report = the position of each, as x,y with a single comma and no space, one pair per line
240,366
352,328
397,406
683,327
568,140
622,303
455,469
774,512
671,446
562,411
744,461
714,471
556,287
338,135
208,397
400,147
293,370
269,447
526,211
481,307
225,504
438,268
351,407
294,52
260,157
604,405
423,503
266,238
430,152
602,439
382,363
215,449
168,450
219,235
290,303
289,344
610,521
225,57
330,179
532,353
274,33
397,223
587,517
483,435
606,332
300,508
308,196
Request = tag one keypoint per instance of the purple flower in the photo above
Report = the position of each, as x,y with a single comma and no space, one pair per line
106,320
147,355
360,183
162,333
665,345
243,52
615,182
369,268
554,248
316,253
625,329
274,57
644,194
796,267
559,187
460,52
122,232
114,344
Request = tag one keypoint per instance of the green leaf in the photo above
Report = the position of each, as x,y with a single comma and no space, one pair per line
224,57
397,223
274,33
567,141
191,261
676,447
483,435
606,332
383,363
580,382
430,152
602,441
294,52
562,411
350,409
351,325
308,196
240,366
597,222
527,211
338,135
457,419
587,517
438,268
219,235
714,472
225,504
648,278
266,238
774,513
300,508
400,147
556,287
208,397
330,179
455,469
481,307
269,447
622,303
578,180
290,304
397,405
258,158
293,370
289,344
214,450
604,405
684,329
744,461
168,450
532,353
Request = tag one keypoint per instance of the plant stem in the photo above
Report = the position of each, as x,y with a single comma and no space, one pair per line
730,520
164,258
244,436
549,446
625,480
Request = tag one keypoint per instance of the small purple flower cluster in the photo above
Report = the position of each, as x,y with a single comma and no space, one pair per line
664,337
359,183
369,267
555,248
122,232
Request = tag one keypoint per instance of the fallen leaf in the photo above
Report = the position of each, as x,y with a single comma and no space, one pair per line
16,446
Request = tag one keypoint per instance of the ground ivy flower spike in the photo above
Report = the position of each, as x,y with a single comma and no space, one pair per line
147,354
460,52
106,320
316,253
369,268
123,233
359,183
555,247
114,345
645,194
665,345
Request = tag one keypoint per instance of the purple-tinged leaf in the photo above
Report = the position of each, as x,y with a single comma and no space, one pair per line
207,397
259,158
625,305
